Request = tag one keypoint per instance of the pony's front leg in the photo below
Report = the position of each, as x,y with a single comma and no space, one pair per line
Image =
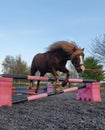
31,84
66,79
37,87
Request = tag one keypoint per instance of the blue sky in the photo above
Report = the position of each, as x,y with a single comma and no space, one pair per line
28,27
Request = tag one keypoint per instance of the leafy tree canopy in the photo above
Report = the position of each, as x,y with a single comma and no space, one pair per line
91,62
14,65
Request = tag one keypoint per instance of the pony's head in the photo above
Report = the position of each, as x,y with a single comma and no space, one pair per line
77,59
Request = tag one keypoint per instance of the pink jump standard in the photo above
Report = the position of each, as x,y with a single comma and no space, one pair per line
6,91
90,93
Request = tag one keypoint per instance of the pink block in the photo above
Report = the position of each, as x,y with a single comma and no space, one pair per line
6,91
50,88
38,78
34,97
90,93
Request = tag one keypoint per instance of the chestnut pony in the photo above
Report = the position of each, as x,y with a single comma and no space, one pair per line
55,58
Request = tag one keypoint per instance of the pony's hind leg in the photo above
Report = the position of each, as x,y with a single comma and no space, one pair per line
37,87
31,84
38,83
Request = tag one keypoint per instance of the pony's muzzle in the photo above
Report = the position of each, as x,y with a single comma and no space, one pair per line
82,68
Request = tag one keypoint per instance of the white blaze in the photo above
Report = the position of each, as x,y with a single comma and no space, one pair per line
81,60
81,63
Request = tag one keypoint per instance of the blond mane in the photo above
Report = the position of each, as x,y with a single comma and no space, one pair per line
64,45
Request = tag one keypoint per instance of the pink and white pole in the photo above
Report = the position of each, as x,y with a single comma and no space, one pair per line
71,80
35,97
42,78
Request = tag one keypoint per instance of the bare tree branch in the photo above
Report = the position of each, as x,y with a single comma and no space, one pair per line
98,49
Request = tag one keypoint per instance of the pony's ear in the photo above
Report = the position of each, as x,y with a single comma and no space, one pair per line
73,49
83,49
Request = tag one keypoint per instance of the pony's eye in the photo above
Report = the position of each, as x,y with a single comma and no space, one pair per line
77,56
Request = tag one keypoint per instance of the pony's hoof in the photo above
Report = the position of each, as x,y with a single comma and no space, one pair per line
36,92
30,87
58,89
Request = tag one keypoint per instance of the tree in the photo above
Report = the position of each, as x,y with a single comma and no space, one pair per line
15,65
98,49
91,62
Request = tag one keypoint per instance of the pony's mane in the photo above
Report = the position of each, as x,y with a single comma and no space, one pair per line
64,45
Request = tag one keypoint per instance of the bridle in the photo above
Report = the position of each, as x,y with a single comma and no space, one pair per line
79,65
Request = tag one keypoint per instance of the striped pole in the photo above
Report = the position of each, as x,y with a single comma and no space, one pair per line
42,78
45,78
43,95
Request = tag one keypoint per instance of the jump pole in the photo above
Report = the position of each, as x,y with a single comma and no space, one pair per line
43,95
45,78
88,92
72,80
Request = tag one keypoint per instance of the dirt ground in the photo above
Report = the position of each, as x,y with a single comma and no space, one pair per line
58,112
